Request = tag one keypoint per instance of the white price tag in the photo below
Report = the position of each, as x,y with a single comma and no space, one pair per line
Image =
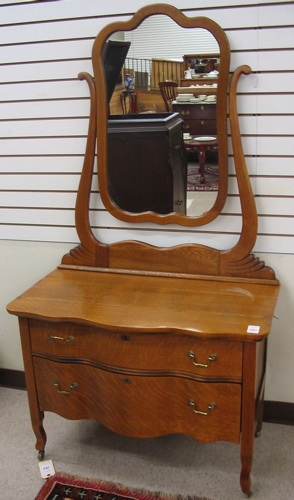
46,469
253,329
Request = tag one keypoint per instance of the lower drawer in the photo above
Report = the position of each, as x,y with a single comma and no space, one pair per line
200,127
140,406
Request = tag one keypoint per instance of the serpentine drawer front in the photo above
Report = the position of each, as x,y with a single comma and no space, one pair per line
206,411
139,351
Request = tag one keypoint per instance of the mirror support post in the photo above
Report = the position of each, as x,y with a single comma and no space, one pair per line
238,260
90,252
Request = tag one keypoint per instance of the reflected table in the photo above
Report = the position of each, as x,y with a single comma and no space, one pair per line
201,144
128,101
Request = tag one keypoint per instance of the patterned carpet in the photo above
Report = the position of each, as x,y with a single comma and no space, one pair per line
62,487
211,178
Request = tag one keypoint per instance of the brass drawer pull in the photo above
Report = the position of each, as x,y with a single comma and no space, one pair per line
69,340
212,357
72,386
211,406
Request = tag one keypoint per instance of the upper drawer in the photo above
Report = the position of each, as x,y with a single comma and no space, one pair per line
196,111
139,351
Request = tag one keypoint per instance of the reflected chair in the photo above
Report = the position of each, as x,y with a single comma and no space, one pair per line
168,92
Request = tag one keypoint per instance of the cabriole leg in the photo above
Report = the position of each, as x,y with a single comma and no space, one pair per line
40,434
37,416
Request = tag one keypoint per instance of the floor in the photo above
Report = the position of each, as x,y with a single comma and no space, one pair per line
174,464
199,202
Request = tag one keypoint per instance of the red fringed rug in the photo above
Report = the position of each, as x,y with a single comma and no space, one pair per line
62,487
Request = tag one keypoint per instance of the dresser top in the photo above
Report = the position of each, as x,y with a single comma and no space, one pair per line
200,307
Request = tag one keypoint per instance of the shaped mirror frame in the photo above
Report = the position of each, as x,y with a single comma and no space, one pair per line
134,256
221,114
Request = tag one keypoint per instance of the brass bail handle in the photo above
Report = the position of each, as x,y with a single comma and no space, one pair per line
211,406
69,340
212,357
72,386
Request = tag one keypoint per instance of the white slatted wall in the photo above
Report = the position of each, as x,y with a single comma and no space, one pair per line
144,40
44,116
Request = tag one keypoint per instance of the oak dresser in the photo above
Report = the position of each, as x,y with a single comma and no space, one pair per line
151,340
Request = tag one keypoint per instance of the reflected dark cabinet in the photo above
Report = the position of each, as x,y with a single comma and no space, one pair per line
200,119
138,179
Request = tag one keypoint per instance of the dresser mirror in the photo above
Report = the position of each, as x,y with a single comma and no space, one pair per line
135,255
188,183
113,138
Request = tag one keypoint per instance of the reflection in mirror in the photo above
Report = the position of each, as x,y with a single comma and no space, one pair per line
145,65
165,163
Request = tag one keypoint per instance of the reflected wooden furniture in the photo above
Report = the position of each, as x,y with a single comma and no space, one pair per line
165,69
202,63
184,326
202,82
128,99
197,90
135,183
168,90
199,118
201,147
150,101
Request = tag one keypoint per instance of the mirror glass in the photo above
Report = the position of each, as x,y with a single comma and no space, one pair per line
164,162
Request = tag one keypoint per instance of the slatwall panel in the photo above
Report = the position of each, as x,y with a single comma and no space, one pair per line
44,111
144,40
